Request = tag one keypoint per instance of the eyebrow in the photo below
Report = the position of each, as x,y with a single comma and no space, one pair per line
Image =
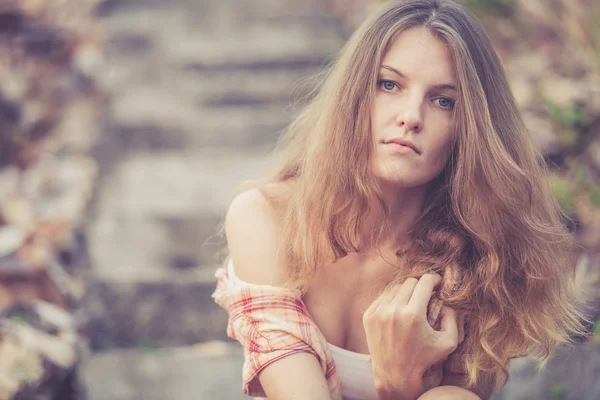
401,75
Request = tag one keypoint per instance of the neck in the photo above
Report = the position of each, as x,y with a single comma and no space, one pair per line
405,206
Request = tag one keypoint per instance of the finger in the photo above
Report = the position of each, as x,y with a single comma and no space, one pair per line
423,291
384,298
405,291
449,324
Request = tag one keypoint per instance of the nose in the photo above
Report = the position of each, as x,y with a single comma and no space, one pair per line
410,116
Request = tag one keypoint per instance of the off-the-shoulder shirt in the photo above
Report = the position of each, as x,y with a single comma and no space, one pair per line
273,322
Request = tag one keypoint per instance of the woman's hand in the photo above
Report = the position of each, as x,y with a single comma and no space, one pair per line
401,342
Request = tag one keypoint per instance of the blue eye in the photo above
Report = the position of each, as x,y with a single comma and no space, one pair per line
388,86
445,102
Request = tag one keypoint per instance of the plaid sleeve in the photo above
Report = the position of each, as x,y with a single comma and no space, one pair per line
271,323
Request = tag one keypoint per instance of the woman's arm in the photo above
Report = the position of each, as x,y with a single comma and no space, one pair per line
295,377
251,228
404,390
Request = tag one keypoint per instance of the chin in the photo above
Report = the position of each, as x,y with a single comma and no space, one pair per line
396,176
395,181
401,180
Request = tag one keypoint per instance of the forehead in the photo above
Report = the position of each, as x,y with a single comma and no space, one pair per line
418,54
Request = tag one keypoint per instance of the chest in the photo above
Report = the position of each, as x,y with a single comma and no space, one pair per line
338,295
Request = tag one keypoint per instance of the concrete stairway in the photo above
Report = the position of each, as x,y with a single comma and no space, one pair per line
199,92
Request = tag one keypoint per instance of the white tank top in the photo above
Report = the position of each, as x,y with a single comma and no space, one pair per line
355,374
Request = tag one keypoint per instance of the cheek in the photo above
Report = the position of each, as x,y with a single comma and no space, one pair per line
381,112
438,138
441,151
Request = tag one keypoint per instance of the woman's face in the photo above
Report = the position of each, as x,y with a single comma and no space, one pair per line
416,92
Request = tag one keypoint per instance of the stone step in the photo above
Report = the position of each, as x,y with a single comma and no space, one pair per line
182,41
189,84
155,244
187,103
258,46
137,306
258,80
288,11
258,88
172,117
212,15
211,371
180,184
153,241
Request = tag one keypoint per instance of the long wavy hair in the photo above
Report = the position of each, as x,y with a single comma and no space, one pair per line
491,212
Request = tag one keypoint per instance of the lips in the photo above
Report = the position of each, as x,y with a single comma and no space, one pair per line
403,142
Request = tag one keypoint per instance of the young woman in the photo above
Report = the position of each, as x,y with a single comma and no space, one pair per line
407,243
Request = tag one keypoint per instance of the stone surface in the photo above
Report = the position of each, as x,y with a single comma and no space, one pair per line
164,313
213,371
184,373
159,207
573,373
199,93
153,243
226,86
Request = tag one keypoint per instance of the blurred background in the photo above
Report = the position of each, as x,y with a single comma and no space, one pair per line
125,126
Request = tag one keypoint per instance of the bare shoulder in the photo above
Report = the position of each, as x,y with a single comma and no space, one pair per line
252,228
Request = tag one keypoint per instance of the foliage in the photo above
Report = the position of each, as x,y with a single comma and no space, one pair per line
564,192
20,317
595,195
558,392
148,345
594,27
571,120
596,336
499,7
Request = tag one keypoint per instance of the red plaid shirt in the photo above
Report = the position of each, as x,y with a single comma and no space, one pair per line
272,322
